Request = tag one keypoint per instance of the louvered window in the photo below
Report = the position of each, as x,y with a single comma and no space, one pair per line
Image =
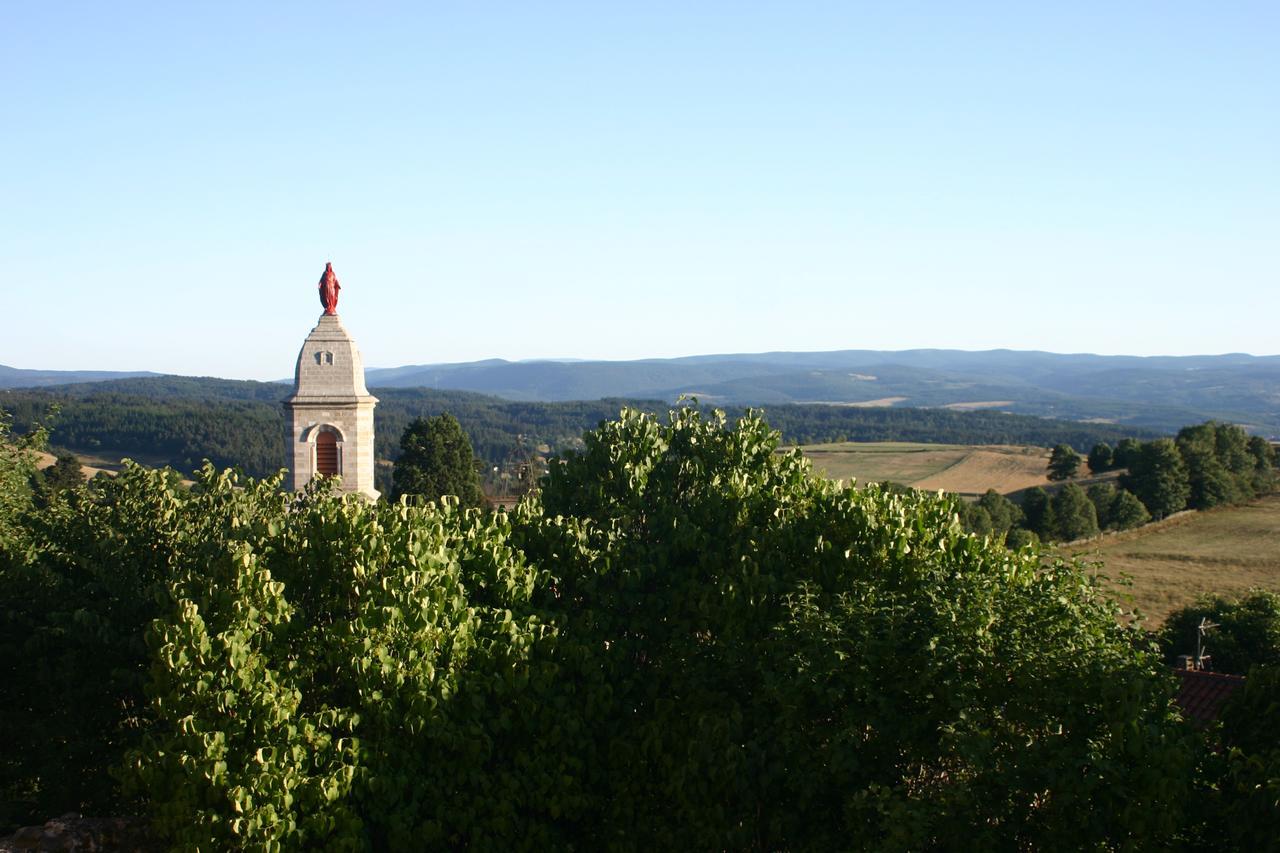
326,454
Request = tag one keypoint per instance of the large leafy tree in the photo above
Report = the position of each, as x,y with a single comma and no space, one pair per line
1101,458
1217,464
792,666
1126,512
1074,514
436,460
688,641
1064,462
1037,512
1158,476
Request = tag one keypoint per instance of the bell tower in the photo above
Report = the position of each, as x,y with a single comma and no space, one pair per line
329,416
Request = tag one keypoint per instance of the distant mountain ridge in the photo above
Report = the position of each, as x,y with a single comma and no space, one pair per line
1160,393
17,377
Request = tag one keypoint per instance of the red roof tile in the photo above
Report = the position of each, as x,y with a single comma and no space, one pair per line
1201,695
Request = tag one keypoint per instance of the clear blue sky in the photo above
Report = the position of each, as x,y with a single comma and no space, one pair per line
607,180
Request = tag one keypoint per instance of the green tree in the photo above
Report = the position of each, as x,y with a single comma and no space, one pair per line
760,595
1217,466
17,467
1064,462
1074,514
1004,513
1243,796
686,641
1264,463
975,518
1101,458
1102,496
1158,477
65,473
1037,512
1247,632
1126,512
1126,452
436,460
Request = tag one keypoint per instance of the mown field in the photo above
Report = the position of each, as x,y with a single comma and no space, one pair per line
967,469
1172,563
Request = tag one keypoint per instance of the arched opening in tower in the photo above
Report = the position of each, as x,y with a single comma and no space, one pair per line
327,454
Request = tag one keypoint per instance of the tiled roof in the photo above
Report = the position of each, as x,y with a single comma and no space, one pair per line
1201,695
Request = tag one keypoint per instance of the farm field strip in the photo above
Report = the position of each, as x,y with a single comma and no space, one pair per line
968,469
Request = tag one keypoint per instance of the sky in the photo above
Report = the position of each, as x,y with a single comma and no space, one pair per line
626,180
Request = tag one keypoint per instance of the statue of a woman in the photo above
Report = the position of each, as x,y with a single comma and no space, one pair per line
329,288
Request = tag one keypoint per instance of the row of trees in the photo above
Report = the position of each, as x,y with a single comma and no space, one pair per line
686,640
1070,513
1207,465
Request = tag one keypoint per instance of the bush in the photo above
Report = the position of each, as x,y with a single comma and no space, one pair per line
688,641
1247,632
1239,796
1126,512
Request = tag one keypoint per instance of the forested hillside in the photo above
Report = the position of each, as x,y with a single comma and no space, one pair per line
1161,392
181,420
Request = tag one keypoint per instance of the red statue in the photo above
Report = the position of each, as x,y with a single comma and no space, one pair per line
329,288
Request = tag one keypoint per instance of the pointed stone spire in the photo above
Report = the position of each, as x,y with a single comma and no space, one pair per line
330,413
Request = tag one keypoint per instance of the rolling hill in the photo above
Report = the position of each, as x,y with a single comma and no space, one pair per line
1161,393
16,377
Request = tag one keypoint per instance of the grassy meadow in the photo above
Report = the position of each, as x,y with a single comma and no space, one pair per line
967,469
1172,563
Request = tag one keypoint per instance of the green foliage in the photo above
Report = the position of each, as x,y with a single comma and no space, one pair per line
1102,496
1248,632
1020,537
180,421
1064,462
17,467
1219,467
1126,512
1238,796
1158,477
355,675
1101,458
1074,514
1264,465
1038,515
799,665
1249,811
75,608
688,641
1004,513
991,515
1126,452
436,460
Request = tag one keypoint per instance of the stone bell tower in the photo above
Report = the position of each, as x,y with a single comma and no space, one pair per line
329,416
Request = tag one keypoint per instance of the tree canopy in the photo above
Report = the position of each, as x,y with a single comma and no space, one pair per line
1158,476
687,640
436,460
1064,462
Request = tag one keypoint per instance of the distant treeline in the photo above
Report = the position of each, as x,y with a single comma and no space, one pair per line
180,421
1205,466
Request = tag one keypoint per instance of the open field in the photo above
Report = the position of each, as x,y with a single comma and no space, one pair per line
967,469
1171,564
44,460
